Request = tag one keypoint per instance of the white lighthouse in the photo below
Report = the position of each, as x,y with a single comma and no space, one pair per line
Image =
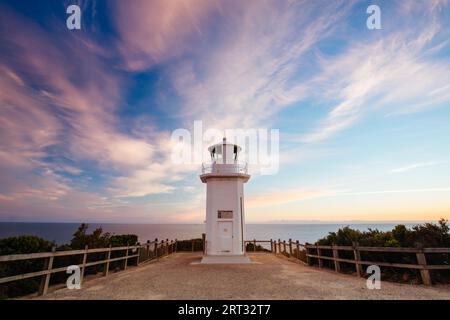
225,228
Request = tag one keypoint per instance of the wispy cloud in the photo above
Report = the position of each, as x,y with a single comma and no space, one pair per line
66,146
62,96
153,32
274,198
396,74
248,78
419,190
413,166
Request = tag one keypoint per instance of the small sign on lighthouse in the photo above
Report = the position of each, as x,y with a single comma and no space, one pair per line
225,228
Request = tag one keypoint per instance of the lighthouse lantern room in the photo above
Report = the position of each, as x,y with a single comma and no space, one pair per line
225,215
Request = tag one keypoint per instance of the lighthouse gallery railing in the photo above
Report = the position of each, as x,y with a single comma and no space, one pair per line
237,167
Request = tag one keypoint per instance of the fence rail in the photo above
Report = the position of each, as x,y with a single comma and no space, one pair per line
140,253
153,250
304,252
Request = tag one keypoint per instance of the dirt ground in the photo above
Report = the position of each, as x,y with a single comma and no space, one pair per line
270,277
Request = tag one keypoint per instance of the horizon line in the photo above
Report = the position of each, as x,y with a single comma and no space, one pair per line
279,222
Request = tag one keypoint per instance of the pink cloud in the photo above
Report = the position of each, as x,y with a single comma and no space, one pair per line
154,31
247,79
58,92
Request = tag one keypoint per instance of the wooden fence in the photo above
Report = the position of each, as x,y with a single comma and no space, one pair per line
307,252
152,250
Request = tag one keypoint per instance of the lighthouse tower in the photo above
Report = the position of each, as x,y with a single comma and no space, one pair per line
225,229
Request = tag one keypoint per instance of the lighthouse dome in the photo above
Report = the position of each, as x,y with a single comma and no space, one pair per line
224,152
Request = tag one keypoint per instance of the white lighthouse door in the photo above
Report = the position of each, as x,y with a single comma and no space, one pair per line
225,236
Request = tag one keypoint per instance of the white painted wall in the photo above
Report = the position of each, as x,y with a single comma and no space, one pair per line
224,193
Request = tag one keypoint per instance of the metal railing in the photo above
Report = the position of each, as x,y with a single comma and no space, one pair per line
237,167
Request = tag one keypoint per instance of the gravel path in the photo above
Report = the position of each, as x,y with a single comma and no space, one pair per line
271,277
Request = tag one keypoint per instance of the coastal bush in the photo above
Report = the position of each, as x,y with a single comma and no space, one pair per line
186,245
24,244
100,239
427,235
97,239
121,240
34,244
250,247
17,245
423,235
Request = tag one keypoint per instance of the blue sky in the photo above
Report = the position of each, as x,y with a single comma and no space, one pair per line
86,115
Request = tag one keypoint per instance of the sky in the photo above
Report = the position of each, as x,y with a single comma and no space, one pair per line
86,116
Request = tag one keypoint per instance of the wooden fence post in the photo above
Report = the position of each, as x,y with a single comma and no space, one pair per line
176,245
167,247
106,268
126,258
192,245
284,246
46,279
148,250
318,256
49,258
271,246
83,268
138,253
337,265
156,248
424,272
204,242
357,258
308,261
254,245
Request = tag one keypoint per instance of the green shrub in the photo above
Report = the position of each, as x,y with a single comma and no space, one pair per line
123,240
428,235
186,245
17,245
250,247
33,244
97,239
425,235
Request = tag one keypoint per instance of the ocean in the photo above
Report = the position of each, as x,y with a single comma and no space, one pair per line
61,233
